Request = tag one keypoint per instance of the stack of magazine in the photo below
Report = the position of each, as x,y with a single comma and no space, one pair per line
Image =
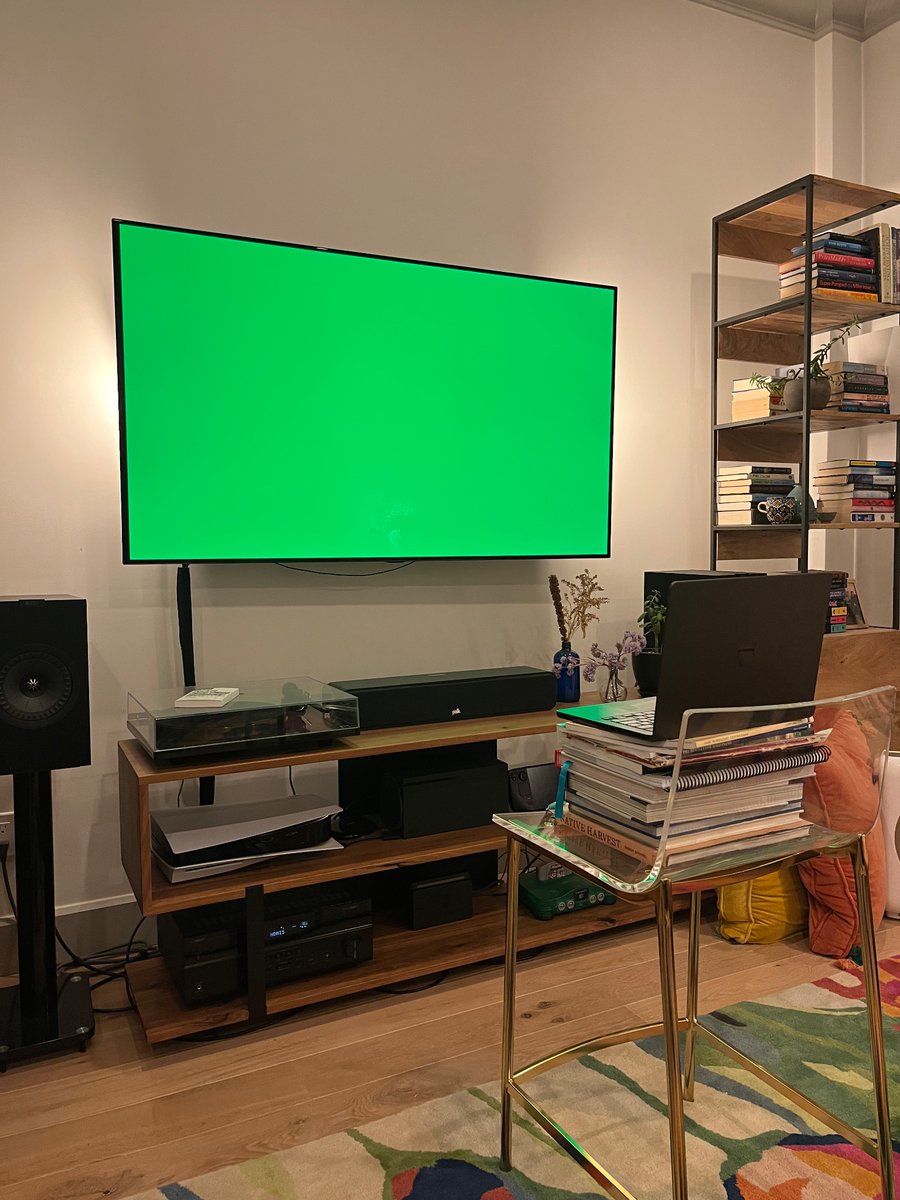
734,792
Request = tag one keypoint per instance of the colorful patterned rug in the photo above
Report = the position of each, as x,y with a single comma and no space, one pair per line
743,1143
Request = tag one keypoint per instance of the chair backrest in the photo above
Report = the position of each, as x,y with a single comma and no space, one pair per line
739,787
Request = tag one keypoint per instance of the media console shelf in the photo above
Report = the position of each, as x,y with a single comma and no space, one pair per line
400,953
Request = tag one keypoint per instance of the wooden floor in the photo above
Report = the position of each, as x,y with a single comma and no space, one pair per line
123,1118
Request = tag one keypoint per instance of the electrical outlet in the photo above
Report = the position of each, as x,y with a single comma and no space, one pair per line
6,828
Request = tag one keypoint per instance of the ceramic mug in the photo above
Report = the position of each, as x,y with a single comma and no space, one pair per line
779,510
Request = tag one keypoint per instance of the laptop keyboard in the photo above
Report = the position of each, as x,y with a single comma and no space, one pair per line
640,722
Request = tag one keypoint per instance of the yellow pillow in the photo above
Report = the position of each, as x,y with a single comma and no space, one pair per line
763,910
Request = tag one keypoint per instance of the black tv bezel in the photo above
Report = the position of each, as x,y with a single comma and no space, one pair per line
127,559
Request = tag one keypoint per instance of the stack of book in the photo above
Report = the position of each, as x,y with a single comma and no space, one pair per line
858,490
749,402
858,387
843,268
836,620
735,792
742,487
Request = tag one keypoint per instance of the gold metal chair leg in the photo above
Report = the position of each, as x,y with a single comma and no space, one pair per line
873,1007
664,923
693,996
509,999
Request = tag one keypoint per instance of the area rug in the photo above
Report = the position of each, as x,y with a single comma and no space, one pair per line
743,1141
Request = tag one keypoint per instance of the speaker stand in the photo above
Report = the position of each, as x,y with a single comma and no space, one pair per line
47,1010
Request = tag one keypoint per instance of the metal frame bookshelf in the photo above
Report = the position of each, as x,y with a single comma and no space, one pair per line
764,230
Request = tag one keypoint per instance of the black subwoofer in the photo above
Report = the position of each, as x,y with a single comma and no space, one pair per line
44,701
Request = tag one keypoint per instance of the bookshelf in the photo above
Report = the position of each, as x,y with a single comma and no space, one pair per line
779,334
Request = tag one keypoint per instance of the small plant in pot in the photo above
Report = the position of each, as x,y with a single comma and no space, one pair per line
820,380
645,664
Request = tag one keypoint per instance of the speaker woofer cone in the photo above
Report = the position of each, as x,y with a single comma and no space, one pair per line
35,687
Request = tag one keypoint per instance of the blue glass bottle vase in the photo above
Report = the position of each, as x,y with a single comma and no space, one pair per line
567,669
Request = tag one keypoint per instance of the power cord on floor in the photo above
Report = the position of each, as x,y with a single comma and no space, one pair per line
4,853
103,966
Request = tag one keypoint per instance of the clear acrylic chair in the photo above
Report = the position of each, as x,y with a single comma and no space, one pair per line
852,736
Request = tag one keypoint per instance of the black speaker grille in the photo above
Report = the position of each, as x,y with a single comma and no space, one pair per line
35,687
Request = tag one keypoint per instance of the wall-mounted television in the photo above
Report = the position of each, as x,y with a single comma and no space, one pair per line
286,402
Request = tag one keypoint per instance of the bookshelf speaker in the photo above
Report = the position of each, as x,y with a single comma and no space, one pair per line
44,701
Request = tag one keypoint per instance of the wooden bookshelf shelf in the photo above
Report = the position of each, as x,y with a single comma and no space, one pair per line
824,526
766,229
786,316
400,954
820,421
734,543
857,526
357,859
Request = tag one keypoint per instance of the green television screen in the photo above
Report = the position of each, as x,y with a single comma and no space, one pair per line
282,402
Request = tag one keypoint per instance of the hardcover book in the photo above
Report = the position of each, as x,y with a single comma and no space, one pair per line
859,262
829,293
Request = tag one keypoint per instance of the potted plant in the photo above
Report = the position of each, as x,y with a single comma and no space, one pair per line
819,379
646,662
774,385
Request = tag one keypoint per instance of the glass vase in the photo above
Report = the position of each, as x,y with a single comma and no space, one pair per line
615,688
567,669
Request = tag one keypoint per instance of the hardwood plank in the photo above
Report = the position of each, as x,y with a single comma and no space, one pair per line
760,245
135,854
757,542
759,443
755,346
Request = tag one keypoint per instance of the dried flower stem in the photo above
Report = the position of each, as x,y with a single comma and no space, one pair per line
558,607
583,601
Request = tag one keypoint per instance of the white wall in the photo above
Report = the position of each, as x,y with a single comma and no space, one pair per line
868,556
579,138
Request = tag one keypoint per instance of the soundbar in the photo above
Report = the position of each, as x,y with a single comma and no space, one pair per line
450,696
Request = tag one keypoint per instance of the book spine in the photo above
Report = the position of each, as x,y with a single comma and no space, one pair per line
860,262
852,281
842,294
857,385
833,245
861,377
846,464
600,835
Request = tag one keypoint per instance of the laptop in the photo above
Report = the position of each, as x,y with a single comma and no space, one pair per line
751,640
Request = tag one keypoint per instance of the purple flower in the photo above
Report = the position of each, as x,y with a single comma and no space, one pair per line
634,642
589,670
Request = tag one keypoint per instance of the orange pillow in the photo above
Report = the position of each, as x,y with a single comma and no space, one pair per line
842,795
